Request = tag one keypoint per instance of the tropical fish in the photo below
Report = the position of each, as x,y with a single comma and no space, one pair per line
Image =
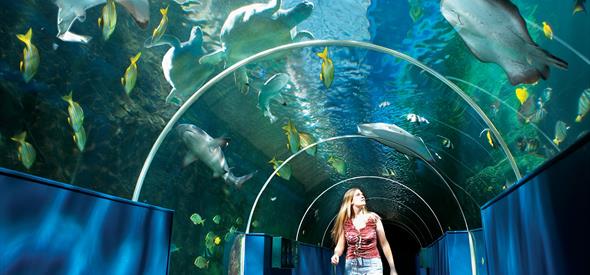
217,240
547,93
26,151
388,172
338,165
395,137
547,30
216,219
384,104
80,138
207,149
495,107
70,10
75,112
108,19
583,105
130,76
196,219
527,109
293,142
228,235
488,136
327,71
446,142
30,62
239,220
560,132
414,118
201,262
285,171
416,11
161,28
528,145
494,31
210,241
305,140
539,115
579,6
522,94
273,198
270,90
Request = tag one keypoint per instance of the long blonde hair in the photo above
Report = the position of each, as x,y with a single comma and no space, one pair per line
345,213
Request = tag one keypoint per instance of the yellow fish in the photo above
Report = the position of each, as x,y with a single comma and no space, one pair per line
522,94
285,171
327,72
488,136
30,62
75,112
547,30
161,28
108,19
130,76
583,105
217,240
338,165
80,138
26,151
292,137
306,140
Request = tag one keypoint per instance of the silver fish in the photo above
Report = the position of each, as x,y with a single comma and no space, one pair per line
414,118
495,32
208,150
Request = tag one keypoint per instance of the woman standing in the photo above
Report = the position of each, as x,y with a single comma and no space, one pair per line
360,231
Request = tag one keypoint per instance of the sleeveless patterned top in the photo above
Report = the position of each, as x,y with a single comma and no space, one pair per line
361,243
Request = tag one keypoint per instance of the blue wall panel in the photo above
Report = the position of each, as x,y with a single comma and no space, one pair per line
312,259
48,227
540,226
450,254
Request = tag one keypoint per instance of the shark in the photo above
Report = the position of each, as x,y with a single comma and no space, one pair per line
201,146
71,10
397,138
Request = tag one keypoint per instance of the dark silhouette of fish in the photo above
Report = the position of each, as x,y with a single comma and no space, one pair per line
495,32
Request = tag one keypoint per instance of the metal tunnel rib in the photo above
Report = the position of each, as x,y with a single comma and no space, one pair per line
360,178
344,43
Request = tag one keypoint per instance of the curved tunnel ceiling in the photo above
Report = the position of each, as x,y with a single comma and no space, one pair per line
459,96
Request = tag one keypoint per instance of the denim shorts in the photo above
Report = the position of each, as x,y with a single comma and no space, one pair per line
360,266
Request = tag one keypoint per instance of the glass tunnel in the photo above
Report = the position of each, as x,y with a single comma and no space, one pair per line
230,117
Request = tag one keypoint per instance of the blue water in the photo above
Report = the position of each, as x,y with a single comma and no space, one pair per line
121,129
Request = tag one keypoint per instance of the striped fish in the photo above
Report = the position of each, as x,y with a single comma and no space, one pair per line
26,151
75,112
560,132
583,105
30,61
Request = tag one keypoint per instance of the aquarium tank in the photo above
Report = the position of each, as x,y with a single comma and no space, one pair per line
249,116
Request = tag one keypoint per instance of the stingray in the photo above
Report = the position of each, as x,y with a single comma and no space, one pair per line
495,32
70,10
395,137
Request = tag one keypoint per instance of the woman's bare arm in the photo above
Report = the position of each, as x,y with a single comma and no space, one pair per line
339,249
385,246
